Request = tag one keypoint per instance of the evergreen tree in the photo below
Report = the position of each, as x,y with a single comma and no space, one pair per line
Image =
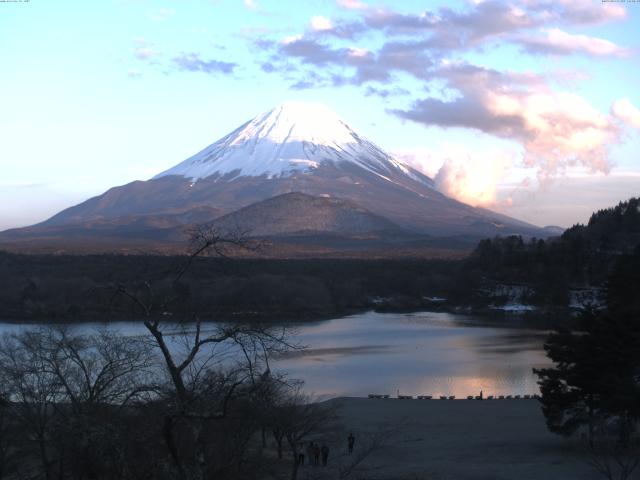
595,379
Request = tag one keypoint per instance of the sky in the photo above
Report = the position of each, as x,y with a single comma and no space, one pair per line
527,107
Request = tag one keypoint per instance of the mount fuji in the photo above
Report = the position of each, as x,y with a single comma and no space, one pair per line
294,148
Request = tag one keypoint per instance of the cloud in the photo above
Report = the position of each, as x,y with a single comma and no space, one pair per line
319,23
451,29
193,63
558,42
580,12
359,65
145,50
251,4
420,158
492,20
627,112
162,14
470,177
556,129
351,4
385,92
415,44
312,52
473,180
145,53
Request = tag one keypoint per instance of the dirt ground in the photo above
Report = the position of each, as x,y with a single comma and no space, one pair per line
453,439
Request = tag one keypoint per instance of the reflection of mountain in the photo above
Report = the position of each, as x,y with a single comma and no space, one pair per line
292,148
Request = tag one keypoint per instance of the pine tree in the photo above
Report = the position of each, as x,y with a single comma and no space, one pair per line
595,380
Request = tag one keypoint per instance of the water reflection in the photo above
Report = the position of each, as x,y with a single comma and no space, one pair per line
413,354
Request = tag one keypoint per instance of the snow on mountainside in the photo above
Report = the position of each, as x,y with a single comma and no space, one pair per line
296,147
294,137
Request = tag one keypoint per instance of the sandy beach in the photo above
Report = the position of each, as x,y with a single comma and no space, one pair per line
461,439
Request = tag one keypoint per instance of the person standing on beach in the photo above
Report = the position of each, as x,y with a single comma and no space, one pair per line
325,455
316,454
301,454
351,440
310,451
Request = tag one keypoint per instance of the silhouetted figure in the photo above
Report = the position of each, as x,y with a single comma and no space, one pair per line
316,454
481,397
301,454
310,452
325,455
351,440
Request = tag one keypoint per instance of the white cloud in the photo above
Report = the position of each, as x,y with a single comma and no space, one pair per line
144,50
472,177
358,52
145,53
251,4
162,14
420,158
319,23
557,41
557,130
627,112
288,40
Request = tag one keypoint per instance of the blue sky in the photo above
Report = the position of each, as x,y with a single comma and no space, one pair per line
527,107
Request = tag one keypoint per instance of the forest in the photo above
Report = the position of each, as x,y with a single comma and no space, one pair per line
77,287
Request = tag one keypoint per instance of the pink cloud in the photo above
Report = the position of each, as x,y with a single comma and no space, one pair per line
627,112
351,4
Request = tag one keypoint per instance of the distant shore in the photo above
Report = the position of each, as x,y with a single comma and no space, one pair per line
462,439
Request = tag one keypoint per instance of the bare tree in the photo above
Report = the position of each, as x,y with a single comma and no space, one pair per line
33,392
8,457
201,361
613,459
62,388
296,418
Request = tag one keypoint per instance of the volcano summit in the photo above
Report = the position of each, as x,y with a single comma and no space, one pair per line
295,147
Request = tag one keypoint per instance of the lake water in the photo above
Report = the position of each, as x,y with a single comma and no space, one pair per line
412,354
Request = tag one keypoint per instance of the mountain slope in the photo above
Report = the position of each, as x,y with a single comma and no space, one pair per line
298,213
292,148
292,138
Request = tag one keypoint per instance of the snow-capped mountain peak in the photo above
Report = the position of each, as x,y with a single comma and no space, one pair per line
294,137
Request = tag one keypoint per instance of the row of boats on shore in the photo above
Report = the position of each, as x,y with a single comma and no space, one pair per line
453,397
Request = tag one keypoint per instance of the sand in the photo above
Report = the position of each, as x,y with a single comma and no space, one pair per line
461,439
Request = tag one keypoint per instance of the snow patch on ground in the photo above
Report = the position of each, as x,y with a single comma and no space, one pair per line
515,307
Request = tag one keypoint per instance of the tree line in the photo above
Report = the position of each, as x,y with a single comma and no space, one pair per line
593,388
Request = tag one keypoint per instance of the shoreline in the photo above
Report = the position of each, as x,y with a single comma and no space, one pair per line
531,319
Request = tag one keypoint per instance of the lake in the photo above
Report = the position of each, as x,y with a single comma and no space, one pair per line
423,353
